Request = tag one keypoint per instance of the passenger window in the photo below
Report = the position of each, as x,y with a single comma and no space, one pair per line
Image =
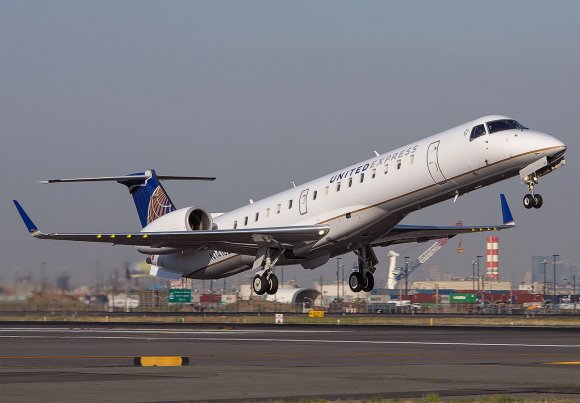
338,187
362,178
278,208
349,182
257,217
289,204
235,224
314,194
268,212
326,189
477,131
373,173
398,164
412,159
386,168
245,221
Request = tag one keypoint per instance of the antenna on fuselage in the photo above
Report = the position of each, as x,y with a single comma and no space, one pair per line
376,153
293,184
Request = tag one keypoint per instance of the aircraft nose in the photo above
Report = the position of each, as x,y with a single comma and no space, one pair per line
555,146
547,144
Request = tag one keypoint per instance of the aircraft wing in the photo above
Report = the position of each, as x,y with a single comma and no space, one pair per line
418,233
245,241
422,233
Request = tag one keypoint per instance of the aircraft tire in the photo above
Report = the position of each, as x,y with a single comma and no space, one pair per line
259,284
272,285
528,201
369,282
538,201
355,282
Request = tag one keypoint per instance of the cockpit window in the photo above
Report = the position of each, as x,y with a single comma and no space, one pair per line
477,131
504,124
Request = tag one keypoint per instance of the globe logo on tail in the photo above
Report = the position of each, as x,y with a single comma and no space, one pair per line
159,204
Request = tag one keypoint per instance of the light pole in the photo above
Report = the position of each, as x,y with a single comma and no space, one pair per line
406,276
554,288
478,273
473,275
337,280
574,291
342,279
545,262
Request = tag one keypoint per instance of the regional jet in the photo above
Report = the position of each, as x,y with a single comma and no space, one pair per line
354,209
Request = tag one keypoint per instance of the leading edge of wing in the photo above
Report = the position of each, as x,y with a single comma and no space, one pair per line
282,236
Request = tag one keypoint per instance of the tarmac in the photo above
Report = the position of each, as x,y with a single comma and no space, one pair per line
95,362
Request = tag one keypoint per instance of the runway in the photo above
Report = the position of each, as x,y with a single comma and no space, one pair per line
95,362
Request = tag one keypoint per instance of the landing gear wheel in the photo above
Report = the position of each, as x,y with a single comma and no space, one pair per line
369,282
529,201
538,201
272,285
259,284
355,282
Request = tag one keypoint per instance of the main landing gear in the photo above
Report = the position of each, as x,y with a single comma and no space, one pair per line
266,282
532,199
363,279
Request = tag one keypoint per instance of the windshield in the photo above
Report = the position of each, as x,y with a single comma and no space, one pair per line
504,124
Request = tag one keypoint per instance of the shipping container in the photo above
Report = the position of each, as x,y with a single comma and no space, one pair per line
210,298
527,298
424,298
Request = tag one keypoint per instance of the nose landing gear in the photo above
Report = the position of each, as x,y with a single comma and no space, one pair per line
532,199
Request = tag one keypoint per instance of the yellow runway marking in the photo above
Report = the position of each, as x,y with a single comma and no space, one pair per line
564,363
161,361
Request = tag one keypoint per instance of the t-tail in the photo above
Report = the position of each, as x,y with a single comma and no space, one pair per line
151,199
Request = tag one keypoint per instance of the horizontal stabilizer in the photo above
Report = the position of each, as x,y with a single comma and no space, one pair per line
125,178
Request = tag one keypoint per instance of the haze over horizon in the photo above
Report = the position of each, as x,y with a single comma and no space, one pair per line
261,93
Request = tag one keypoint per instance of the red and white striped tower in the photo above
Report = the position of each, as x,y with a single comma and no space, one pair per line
492,258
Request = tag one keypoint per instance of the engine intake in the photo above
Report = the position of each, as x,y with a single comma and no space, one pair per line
199,220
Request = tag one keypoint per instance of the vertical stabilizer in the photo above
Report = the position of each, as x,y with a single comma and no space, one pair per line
151,199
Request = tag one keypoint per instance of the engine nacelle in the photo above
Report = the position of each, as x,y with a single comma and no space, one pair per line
185,219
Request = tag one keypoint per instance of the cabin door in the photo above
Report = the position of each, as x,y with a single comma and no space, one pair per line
433,163
302,201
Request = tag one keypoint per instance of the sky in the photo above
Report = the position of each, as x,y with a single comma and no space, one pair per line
261,93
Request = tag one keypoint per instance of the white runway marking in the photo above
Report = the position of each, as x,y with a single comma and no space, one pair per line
165,330
321,341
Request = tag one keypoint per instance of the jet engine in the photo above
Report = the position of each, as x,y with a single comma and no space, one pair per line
185,219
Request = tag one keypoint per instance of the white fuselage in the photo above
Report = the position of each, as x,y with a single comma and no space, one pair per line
364,201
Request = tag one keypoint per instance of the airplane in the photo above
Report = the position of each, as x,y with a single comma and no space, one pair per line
354,209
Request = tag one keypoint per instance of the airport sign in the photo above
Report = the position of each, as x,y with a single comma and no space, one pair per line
462,298
179,296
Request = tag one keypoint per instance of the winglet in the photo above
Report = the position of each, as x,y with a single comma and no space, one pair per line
508,219
27,221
